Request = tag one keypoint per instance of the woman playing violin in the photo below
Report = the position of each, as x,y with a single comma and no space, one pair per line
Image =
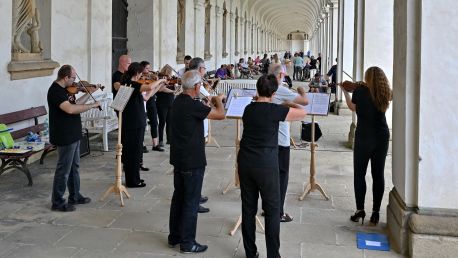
164,102
134,123
151,110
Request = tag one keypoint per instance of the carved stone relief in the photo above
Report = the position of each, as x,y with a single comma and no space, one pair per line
26,49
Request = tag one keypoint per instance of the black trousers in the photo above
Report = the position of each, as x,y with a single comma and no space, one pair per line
184,207
164,114
283,165
151,113
297,75
132,153
373,148
264,181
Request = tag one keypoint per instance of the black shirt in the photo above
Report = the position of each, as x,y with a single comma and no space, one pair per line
164,99
187,148
259,144
333,72
371,121
133,115
64,128
116,78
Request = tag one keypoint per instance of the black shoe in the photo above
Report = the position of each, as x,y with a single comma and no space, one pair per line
202,209
142,181
63,208
139,185
203,199
158,148
375,218
83,200
172,245
145,150
142,168
358,214
286,218
196,248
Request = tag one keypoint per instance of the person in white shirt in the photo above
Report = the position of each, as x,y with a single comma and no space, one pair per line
186,60
282,95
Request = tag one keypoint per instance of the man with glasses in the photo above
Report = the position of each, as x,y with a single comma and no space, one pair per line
187,155
198,64
65,133
282,95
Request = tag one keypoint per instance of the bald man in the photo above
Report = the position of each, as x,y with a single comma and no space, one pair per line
124,62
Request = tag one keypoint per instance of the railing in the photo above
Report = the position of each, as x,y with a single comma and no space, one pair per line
226,85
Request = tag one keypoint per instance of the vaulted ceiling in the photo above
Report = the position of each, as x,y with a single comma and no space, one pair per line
285,16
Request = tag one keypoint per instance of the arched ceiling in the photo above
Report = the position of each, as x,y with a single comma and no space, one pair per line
285,16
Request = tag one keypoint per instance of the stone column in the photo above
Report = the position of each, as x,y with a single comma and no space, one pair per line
324,50
241,38
219,35
248,50
422,213
211,33
340,53
334,10
199,21
232,49
167,32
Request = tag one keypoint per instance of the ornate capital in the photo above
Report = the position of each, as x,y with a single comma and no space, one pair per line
219,11
199,4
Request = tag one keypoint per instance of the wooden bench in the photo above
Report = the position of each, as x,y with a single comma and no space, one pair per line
101,122
19,161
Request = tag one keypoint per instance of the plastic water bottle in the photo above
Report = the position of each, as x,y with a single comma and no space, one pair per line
45,133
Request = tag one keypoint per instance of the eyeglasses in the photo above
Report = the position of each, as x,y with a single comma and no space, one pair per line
203,67
72,77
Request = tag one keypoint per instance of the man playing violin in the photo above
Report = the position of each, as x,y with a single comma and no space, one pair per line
65,133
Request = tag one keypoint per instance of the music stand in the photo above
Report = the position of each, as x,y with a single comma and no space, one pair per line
119,103
318,105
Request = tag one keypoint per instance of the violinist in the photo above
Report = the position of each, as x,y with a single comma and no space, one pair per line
164,102
134,122
65,133
151,111
186,61
124,62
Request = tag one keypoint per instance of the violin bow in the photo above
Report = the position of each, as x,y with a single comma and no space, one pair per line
82,84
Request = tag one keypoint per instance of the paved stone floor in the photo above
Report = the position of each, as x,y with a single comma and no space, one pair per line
104,229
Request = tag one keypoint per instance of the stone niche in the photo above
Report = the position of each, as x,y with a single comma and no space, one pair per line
28,53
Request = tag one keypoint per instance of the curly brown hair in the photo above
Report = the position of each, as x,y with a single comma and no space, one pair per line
379,87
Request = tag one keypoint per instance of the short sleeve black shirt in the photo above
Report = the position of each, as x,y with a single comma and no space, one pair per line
133,115
116,78
64,128
187,148
371,121
259,144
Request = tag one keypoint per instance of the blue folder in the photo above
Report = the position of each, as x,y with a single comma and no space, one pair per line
372,241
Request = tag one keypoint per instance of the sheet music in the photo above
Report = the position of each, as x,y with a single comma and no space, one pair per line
122,97
237,106
318,104
239,93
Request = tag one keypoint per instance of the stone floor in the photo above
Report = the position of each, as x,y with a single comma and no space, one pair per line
104,229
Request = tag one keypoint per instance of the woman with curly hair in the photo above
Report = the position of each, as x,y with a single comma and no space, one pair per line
370,100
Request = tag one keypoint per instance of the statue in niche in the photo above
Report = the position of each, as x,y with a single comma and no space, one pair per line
26,17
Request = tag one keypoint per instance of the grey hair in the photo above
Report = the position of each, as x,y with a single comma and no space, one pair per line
195,63
275,69
190,79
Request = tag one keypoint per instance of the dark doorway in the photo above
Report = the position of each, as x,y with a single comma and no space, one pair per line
119,31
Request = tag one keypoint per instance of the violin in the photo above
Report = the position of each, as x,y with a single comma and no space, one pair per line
351,86
83,86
